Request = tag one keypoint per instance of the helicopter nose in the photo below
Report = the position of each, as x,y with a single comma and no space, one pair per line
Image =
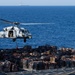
30,36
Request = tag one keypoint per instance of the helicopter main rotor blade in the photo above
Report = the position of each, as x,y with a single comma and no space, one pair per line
17,23
35,23
6,21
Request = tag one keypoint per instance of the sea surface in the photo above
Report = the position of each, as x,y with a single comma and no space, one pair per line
60,32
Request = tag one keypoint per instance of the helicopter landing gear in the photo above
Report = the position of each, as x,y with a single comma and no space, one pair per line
24,39
14,40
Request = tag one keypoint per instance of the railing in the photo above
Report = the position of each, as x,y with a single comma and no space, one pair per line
62,71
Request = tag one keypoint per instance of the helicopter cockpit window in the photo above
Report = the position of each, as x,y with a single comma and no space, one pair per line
6,29
23,31
26,31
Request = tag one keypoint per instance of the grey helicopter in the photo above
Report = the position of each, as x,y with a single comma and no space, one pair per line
15,31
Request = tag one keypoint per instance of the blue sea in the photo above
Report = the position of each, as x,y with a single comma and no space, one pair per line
60,32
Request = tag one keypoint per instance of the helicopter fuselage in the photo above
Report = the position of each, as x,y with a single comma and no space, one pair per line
15,32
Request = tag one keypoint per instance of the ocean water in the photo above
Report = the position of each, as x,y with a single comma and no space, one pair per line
60,32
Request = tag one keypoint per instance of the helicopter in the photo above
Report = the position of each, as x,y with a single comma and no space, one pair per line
15,31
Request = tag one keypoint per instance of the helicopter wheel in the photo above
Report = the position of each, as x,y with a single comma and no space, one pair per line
14,40
24,39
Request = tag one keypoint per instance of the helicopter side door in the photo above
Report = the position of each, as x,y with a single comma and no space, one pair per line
11,34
